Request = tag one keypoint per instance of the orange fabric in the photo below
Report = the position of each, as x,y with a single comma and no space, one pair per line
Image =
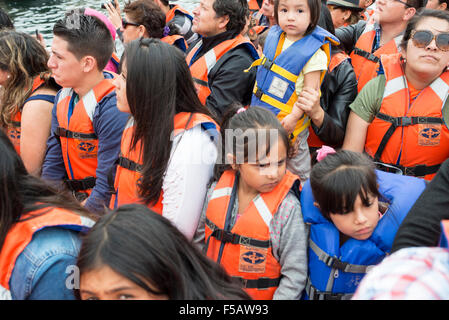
336,59
82,153
199,68
253,5
21,233
171,13
418,144
251,225
14,130
173,38
126,180
365,69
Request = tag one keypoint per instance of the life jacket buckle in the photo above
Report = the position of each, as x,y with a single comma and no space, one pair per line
405,121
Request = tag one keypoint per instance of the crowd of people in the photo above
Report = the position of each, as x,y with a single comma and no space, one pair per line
269,150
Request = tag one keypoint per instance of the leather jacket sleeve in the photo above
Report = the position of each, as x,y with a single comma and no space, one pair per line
338,90
349,35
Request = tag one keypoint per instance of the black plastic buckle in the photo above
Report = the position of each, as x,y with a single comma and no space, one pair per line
406,121
61,132
267,63
258,94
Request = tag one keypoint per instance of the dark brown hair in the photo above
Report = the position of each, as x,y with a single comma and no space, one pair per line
315,9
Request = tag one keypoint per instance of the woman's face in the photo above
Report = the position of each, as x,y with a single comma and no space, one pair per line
339,15
429,61
267,8
131,31
104,283
120,90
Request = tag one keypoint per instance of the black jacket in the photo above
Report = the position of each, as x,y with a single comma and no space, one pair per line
338,90
349,35
227,81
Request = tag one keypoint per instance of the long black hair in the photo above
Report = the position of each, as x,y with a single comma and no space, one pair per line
158,86
146,248
22,193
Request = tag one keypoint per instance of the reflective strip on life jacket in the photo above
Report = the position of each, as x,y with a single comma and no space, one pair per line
410,136
21,234
244,249
201,68
128,173
79,143
365,62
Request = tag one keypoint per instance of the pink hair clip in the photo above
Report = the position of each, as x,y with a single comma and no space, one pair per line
323,152
241,110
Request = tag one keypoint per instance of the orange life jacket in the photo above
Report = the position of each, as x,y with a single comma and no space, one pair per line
171,13
245,249
176,40
413,132
201,67
253,5
313,140
79,142
130,161
21,234
14,130
365,63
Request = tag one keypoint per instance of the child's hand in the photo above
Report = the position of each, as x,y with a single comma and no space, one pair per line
289,123
309,102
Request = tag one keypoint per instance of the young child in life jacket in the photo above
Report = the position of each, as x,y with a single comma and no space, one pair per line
251,221
289,74
353,212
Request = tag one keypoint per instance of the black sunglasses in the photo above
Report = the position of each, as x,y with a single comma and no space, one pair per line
422,38
127,23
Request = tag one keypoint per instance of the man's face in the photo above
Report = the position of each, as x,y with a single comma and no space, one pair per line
65,67
205,21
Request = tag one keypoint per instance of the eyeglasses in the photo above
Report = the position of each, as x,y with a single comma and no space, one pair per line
422,38
127,23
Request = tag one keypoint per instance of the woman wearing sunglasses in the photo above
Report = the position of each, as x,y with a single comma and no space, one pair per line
144,18
400,118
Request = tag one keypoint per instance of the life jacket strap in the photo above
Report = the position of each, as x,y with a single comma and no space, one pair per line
400,122
80,184
315,294
366,55
234,238
61,132
261,283
420,170
129,164
335,262
16,124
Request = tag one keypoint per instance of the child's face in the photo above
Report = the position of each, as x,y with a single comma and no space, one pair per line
294,18
266,173
359,223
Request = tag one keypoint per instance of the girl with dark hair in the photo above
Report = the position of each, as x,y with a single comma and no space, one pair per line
287,88
144,18
28,96
145,256
251,222
39,233
167,150
354,212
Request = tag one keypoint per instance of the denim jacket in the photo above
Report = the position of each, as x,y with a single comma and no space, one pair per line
42,269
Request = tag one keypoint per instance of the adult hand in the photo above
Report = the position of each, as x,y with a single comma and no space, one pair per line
114,13
309,102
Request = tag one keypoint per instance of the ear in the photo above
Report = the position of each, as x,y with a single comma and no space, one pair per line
223,21
316,204
442,6
230,159
408,14
88,63
142,31
346,14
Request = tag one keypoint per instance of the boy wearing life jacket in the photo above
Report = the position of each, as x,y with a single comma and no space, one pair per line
86,124
365,41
